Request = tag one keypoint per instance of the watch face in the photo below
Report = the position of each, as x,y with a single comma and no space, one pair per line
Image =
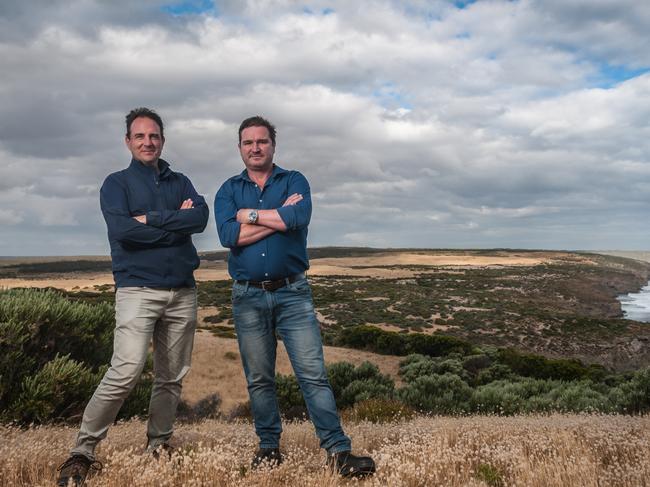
252,216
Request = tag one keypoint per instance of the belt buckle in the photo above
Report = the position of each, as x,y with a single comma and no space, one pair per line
267,283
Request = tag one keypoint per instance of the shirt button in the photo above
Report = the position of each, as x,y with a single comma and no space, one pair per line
263,255
260,201
266,274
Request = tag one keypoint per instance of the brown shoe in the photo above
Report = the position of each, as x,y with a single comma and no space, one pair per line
76,469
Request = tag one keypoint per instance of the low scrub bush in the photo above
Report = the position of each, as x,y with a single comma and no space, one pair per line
440,394
387,342
58,388
633,396
530,365
53,352
578,397
495,372
378,410
351,384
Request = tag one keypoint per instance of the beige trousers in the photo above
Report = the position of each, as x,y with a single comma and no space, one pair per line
142,314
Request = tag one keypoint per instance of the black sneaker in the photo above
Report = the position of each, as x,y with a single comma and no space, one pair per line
348,465
270,457
163,451
76,469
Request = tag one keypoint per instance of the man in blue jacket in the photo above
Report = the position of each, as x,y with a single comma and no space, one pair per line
262,217
151,213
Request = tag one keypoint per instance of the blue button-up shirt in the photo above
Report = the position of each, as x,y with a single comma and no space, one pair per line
280,254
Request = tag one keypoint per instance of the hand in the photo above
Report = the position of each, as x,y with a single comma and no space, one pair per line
141,218
187,204
293,199
242,215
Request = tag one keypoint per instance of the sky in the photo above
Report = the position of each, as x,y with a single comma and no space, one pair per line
428,124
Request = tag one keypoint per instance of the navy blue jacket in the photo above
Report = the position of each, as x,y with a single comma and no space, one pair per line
159,254
281,254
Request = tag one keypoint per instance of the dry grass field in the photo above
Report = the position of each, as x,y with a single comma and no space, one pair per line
533,451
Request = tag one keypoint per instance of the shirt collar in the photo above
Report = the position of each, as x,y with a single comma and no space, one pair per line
277,171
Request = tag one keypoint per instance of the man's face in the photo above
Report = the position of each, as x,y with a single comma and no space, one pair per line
256,148
145,142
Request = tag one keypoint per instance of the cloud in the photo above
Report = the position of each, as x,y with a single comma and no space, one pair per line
417,123
10,217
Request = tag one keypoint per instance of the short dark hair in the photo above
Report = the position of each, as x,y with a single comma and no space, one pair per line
142,112
258,121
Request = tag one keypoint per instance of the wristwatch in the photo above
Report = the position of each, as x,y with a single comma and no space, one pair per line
252,217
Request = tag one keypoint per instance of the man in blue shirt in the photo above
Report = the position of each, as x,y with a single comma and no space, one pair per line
262,217
151,213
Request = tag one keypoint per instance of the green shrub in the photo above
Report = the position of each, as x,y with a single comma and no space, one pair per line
364,389
441,394
231,355
57,325
59,389
474,364
489,474
416,366
421,365
530,365
578,397
366,337
495,372
498,398
53,352
633,396
351,384
507,397
340,374
290,400
378,410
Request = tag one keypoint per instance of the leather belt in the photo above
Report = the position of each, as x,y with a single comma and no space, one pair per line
273,285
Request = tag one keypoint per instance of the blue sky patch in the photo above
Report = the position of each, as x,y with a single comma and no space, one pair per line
389,96
610,75
325,11
190,7
461,4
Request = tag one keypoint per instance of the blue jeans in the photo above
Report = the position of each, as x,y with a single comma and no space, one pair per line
258,314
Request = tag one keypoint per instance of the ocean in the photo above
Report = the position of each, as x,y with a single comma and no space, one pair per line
636,306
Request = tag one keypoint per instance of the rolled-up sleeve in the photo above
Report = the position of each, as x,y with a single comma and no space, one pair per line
297,216
225,213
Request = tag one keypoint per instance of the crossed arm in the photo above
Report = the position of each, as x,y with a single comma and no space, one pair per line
154,229
232,220
186,205
268,222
